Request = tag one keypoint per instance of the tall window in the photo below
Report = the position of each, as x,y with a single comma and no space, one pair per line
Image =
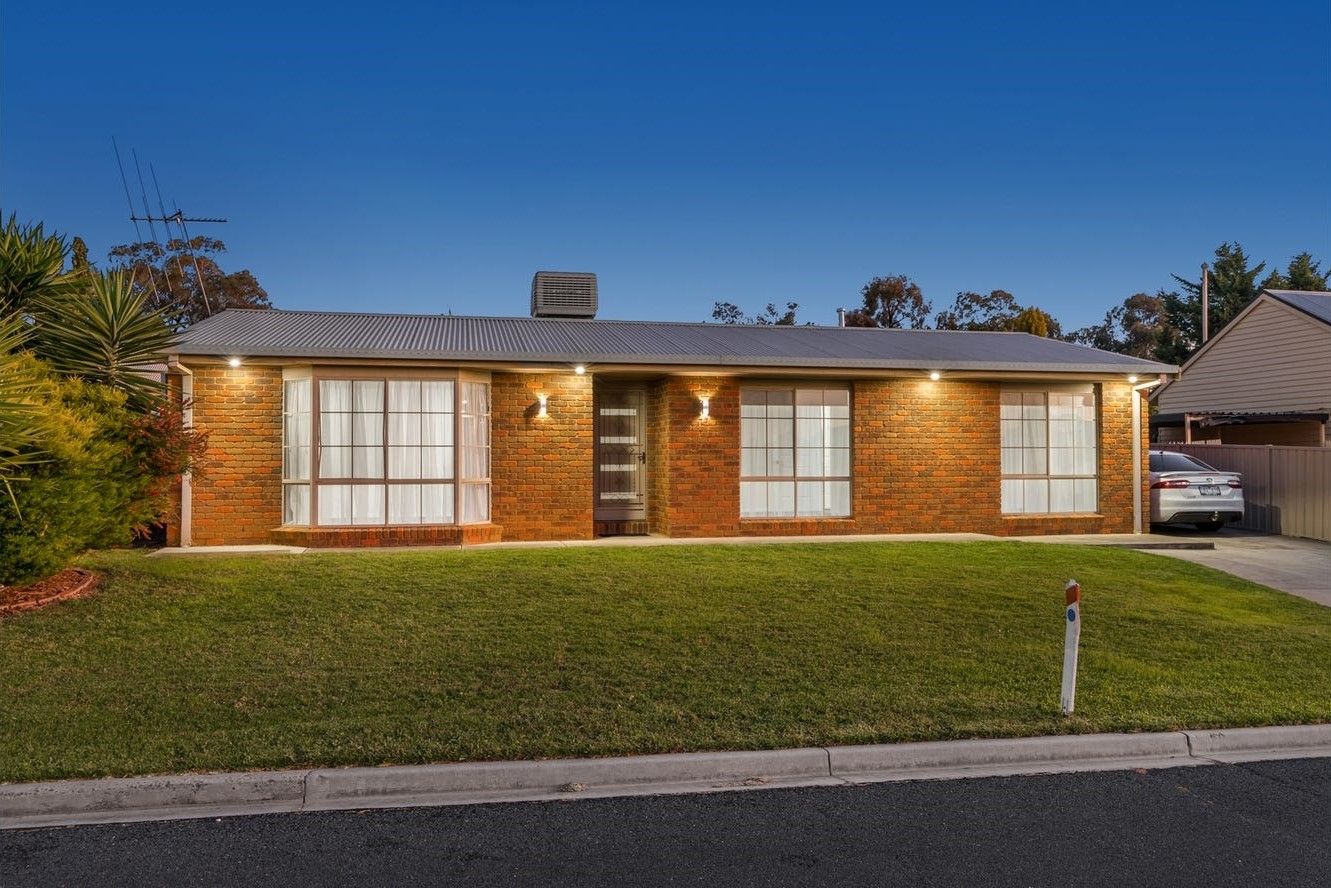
297,434
420,448
795,453
475,452
1049,460
384,453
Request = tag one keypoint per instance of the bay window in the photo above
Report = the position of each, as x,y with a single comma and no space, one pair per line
794,452
1049,450
384,451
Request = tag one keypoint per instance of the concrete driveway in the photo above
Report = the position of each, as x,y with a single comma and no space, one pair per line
1299,567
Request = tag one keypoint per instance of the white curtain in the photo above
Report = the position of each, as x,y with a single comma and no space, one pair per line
475,503
793,433
1051,434
297,432
334,504
475,444
399,430
367,504
295,504
335,396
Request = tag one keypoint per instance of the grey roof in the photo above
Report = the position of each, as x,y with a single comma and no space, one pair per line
312,334
1307,301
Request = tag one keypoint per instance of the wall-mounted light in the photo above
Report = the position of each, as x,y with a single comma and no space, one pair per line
234,362
543,401
579,369
706,402
935,375
1132,378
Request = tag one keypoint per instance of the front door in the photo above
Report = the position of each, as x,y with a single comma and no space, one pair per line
621,455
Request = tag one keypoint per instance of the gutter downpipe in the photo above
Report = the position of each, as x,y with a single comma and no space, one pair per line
187,415
1137,450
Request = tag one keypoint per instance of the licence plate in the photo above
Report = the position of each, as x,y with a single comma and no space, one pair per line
1209,489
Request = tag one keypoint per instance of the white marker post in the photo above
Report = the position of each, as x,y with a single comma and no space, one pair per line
1071,638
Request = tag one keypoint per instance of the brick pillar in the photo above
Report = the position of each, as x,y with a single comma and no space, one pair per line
702,456
237,495
541,469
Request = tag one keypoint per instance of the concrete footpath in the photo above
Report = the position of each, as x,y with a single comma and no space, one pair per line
171,797
1120,540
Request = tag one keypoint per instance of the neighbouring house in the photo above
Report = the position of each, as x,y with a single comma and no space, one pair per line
348,429
1265,378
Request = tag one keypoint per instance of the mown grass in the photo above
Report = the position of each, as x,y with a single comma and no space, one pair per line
213,663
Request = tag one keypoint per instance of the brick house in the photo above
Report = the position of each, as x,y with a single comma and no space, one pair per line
336,429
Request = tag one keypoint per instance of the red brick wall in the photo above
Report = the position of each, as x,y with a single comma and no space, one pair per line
237,497
925,456
658,457
925,459
541,469
702,456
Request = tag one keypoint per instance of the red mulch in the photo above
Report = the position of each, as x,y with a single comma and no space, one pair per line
69,583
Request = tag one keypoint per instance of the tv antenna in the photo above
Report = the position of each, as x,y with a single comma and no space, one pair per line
177,218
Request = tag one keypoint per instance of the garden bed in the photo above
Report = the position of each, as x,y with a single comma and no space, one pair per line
70,583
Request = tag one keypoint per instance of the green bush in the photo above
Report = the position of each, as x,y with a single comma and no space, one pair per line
88,489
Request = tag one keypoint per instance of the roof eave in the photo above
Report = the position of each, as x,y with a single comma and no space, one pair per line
1137,366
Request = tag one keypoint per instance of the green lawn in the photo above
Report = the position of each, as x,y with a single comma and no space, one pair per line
211,663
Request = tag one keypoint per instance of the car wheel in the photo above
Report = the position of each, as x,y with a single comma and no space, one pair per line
1209,525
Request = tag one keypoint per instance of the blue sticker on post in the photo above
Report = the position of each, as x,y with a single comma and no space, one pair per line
1072,615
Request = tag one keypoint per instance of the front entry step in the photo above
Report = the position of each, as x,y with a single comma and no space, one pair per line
620,528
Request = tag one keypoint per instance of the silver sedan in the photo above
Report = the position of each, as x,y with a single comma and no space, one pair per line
1185,490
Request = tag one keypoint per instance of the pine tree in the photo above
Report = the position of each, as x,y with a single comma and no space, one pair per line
1302,273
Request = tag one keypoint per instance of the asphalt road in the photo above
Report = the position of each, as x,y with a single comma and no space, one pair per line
1256,824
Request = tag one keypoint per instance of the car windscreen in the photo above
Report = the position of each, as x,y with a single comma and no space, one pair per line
1177,462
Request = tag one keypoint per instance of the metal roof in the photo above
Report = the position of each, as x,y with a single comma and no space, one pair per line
1307,301
339,335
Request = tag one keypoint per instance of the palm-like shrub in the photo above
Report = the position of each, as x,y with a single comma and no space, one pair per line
103,332
90,443
22,421
32,267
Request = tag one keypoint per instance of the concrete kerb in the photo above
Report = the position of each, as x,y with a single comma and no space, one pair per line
1258,744
1024,755
336,788
165,797
216,795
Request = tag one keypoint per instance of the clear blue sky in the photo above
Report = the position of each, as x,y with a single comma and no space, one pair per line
429,157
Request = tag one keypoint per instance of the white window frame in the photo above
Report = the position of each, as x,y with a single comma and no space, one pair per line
1083,484
792,454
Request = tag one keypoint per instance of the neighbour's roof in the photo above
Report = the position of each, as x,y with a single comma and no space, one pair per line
1309,302
341,335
